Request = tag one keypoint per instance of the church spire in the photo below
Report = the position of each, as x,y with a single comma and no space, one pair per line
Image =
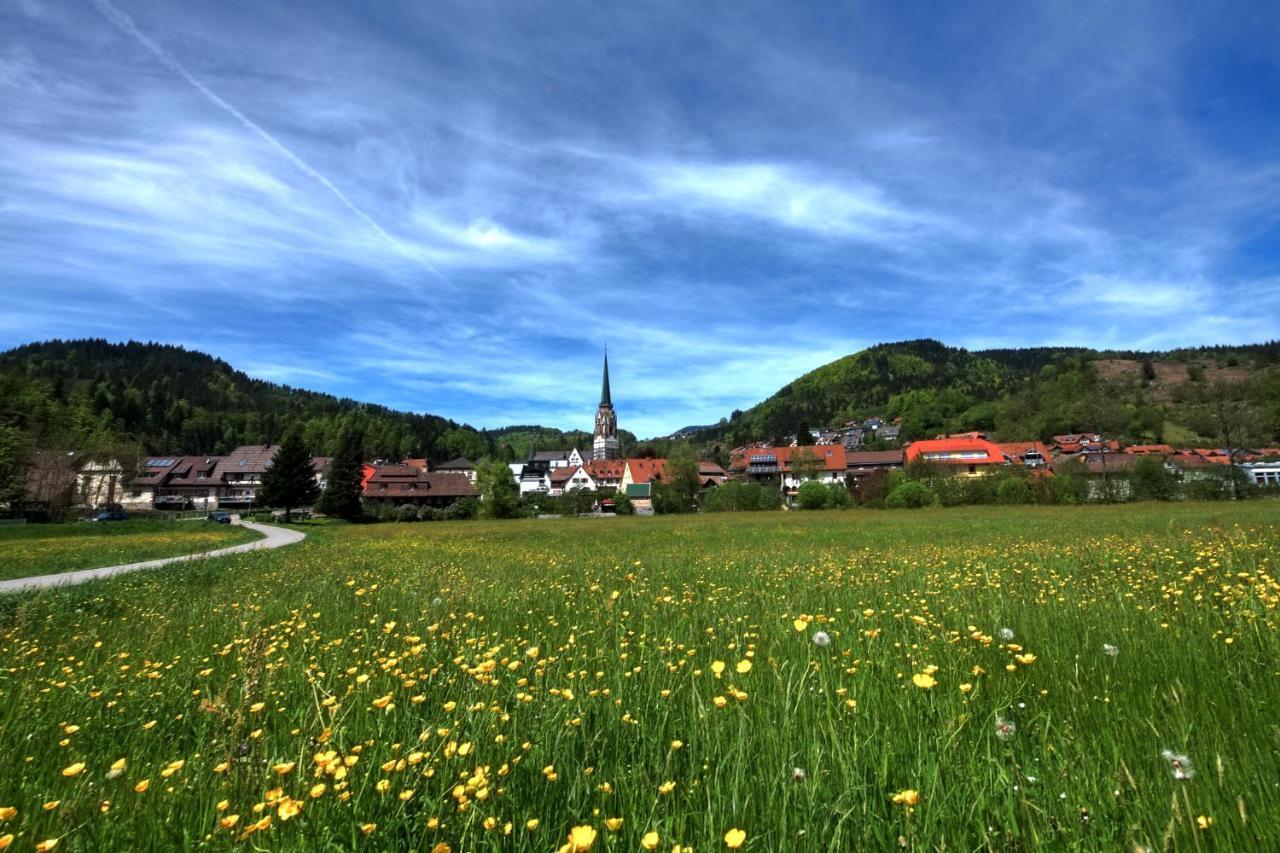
605,400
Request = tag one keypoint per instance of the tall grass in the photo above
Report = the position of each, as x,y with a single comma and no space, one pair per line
41,549
470,678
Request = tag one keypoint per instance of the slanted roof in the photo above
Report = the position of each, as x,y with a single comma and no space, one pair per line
1018,449
563,474
246,459
955,451
647,470
549,455
605,469
462,463
1150,449
872,458
832,457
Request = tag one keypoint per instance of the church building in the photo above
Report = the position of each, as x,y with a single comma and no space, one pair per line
605,444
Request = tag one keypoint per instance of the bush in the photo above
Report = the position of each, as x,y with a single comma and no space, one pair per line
741,496
1205,489
910,495
430,513
461,510
406,512
1069,489
1014,490
811,495
1149,480
838,496
622,504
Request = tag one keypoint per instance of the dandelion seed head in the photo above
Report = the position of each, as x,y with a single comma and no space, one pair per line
822,639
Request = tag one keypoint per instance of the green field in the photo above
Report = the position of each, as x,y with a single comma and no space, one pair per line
45,549
443,685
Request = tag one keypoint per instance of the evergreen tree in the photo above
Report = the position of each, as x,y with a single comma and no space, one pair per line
499,494
290,482
342,490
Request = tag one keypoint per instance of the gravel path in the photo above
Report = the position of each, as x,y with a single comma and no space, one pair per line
273,537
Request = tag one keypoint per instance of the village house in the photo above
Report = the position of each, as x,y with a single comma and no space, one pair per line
711,475
570,479
964,457
859,465
777,465
1265,474
462,465
1029,454
397,485
606,473
178,482
238,475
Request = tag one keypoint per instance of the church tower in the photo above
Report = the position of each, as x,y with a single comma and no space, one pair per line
605,444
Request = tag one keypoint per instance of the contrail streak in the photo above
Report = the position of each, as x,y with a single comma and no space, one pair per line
167,59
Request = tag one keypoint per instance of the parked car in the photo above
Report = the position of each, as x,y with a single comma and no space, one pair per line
112,515
220,517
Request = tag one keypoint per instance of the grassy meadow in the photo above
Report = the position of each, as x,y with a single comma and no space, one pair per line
1095,678
45,549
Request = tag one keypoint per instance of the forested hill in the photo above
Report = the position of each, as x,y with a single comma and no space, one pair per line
1020,393
94,396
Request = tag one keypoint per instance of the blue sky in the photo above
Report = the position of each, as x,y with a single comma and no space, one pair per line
453,207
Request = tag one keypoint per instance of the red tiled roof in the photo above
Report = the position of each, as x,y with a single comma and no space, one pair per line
646,470
832,456
1148,449
1018,449
956,451
563,474
605,469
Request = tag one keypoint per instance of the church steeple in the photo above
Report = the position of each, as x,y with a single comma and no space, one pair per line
605,444
604,388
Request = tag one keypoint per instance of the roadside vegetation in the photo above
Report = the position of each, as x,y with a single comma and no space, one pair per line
1063,677
45,549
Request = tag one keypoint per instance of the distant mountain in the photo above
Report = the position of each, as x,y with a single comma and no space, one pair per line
1017,393
156,398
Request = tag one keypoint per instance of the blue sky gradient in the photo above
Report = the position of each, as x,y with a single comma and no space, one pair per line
453,207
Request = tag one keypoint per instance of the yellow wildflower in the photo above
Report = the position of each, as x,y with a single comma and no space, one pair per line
733,838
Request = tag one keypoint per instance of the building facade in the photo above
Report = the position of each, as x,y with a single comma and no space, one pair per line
605,444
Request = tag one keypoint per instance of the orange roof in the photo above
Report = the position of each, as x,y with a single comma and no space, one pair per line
1018,449
830,455
645,470
956,451
607,469
1145,449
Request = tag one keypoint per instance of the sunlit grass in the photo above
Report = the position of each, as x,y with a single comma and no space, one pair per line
42,549
416,685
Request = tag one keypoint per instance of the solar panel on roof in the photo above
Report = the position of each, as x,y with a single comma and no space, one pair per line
161,463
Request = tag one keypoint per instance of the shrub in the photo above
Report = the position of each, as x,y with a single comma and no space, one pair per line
461,510
910,495
838,496
811,495
740,496
430,513
1205,489
406,512
622,505
1014,490
1149,480
1069,489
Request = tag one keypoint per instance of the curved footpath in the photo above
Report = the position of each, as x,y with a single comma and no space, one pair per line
272,537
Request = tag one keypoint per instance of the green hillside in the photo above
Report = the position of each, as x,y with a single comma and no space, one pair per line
1023,393
91,396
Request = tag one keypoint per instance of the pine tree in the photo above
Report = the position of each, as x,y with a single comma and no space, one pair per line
342,491
290,481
